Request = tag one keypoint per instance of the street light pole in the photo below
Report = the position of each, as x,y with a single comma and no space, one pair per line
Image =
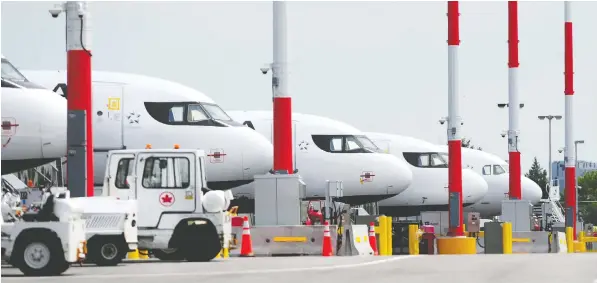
549,118
515,173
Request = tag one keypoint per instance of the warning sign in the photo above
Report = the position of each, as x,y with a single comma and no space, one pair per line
9,126
166,199
114,103
216,155
367,176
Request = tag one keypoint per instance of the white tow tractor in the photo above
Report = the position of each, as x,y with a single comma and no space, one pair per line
45,242
110,225
179,217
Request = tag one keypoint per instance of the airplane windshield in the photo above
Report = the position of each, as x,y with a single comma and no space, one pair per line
368,144
506,168
341,143
426,159
216,112
9,72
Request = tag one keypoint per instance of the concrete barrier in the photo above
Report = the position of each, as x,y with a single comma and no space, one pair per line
286,240
355,241
559,241
530,242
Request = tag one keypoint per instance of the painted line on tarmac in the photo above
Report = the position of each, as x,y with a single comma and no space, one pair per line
231,272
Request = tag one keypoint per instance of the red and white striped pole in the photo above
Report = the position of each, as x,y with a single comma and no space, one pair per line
569,157
282,100
454,140
515,191
79,88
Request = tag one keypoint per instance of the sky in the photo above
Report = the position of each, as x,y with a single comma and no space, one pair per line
379,66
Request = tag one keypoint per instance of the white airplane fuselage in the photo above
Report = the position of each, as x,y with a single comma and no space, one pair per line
429,189
324,149
132,111
495,171
33,123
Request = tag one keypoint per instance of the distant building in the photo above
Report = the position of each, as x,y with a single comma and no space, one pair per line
582,167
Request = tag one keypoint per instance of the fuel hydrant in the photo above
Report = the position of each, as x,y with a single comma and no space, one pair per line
429,237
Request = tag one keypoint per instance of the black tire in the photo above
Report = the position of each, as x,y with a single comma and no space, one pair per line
201,243
40,254
106,251
169,254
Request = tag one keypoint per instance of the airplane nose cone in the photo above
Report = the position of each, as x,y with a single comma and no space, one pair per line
53,124
258,153
474,187
531,190
400,175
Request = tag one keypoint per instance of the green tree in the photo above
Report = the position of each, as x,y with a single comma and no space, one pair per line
539,175
588,192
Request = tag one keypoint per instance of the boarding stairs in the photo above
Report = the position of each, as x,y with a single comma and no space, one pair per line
548,212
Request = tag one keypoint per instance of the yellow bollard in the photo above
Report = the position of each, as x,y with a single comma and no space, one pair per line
507,237
570,239
226,253
389,233
413,239
143,254
133,255
383,239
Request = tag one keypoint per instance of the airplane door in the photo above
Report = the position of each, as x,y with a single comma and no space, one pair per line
107,128
121,166
164,183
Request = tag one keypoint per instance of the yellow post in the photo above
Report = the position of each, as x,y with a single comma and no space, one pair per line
143,254
570,240
507,237
389,247
413,239
133,255
581,245
383,239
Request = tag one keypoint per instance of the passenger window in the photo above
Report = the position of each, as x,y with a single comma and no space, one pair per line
123,171
176,114
498,170
195,113
487,170
424,160
336,144
166,172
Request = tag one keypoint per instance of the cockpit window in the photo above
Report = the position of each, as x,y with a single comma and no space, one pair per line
9,72
176,114
195,113
216,112
368,144
506,167
426,159
340,144
498,170
487,170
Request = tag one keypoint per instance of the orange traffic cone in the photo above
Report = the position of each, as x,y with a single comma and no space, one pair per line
327,241
246,249
372,238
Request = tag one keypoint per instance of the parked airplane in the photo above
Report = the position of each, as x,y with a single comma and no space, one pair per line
495,172
131,111
325,149
429,189
33,122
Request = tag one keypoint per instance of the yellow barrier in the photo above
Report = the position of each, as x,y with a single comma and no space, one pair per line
383,239
143,254
413,239
133,255
389,233
507,237
570,239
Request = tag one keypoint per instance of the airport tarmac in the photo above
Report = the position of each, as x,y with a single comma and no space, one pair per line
530,268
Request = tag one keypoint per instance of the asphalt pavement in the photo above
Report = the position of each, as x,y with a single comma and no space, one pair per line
527,268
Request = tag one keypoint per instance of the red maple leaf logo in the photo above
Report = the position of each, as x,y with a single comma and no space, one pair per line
167,199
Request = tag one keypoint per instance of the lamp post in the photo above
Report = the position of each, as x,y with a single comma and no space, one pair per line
576,143
549,118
